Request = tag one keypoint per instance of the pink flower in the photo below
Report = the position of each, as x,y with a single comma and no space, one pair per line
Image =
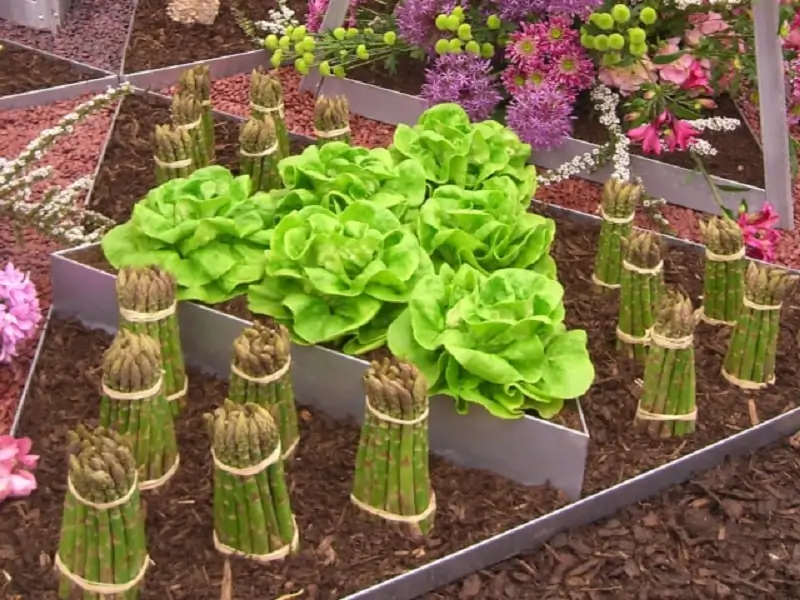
676,72
19,311
15,484
647,135
316,13
628,79
793,39
15,460
705,24
680,135
758,229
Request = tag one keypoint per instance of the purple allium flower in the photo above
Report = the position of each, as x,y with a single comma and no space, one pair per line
464,79
541,115
19,311
573,8
518,10
416,20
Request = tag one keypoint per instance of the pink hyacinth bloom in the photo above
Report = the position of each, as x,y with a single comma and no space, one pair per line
19,311
15,460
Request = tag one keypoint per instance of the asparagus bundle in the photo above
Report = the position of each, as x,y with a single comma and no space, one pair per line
133,404
260,375
641,284
258,152
172,152
187,114
252,514
667,406
197,82
618,210
266,99
723,283
332,120
102,551
147,304
750,360
391,476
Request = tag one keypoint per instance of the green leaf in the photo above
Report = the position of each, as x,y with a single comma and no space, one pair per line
665,59
735,189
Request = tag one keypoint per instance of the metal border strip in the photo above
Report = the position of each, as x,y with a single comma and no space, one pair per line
59,93
224,66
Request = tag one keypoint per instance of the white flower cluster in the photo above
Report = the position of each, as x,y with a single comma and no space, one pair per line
684,4
56,213
704,147
279,19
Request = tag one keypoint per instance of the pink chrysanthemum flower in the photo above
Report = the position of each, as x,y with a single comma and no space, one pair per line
574,71
524,47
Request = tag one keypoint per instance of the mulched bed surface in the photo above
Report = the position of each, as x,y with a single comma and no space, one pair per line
128,172
23,70
156,41
732,533
341,551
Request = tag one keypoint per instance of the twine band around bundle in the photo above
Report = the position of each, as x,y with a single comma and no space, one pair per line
381,416
633,339
184,163
617,220
756,306
97,587
271,150
103,505
387,516
681,343
189,126
746,384
597,281
646,415
714,257
267,110
332,133
270,378
655,270
135,316
701,314
278,554
145,394
252,470
181,392
151,484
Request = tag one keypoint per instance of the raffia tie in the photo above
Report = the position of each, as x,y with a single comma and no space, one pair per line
670,344
326,135
177,164
151,484
597,281
713,256
701,314
135,316
271,150
137,395
633,339
270,378
98,587
646,415
387,516
643,270
756,306
746,384
267,110
193,125
382,416
617,220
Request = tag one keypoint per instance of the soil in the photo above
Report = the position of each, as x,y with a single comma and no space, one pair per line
341,551
94,33
127,172
731,533
408,76
739,157
156,41
23,70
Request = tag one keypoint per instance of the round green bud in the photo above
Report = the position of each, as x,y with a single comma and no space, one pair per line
271,41
587,41
299,33
638,49
611,58
276,58
325,68
284,42
369,31
454,46
616,41
309,43
301,66
361,52
648,15
459,12
343,54
621,13
390,38
465,32
601,42
487,50
441,22
299,48
308,58
493,22
637,35
289,30
473,48
352,32
442,46
452,23
339,33
604,21
338,71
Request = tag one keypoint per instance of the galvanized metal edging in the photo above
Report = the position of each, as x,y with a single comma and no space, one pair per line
59,93
24,394
76,64
221,67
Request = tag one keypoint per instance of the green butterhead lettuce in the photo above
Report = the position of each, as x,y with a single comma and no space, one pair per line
206,230
452,150
339,277
486,229
496,340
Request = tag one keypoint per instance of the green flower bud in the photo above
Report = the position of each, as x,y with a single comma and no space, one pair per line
338,71
390,38
638,49
361,52
441,22
487,50
465,32
299,48
637,35
611,58
621,13
473,48
308,58
369,31
339,33
452,23
455,46
325,68
587,41
301,66
284,42
344,54
604,21
289,31
442,46
648,15
458,11
276,58
298,33
271,41
616,41
493,22
352,32
309,43
601,42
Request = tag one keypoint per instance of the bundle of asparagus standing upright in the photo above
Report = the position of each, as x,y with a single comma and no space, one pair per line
753,346
259,154
332,119
133,404
252,514
172,152
667,407
261,375
187,114
392,479
147,304
618,209
641,284
723,281
266,99
102,552
196,82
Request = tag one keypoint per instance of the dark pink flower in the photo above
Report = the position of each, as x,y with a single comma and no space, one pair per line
679,135
759,231
648,136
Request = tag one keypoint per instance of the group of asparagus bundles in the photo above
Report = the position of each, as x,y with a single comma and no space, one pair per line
102,552
392,480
